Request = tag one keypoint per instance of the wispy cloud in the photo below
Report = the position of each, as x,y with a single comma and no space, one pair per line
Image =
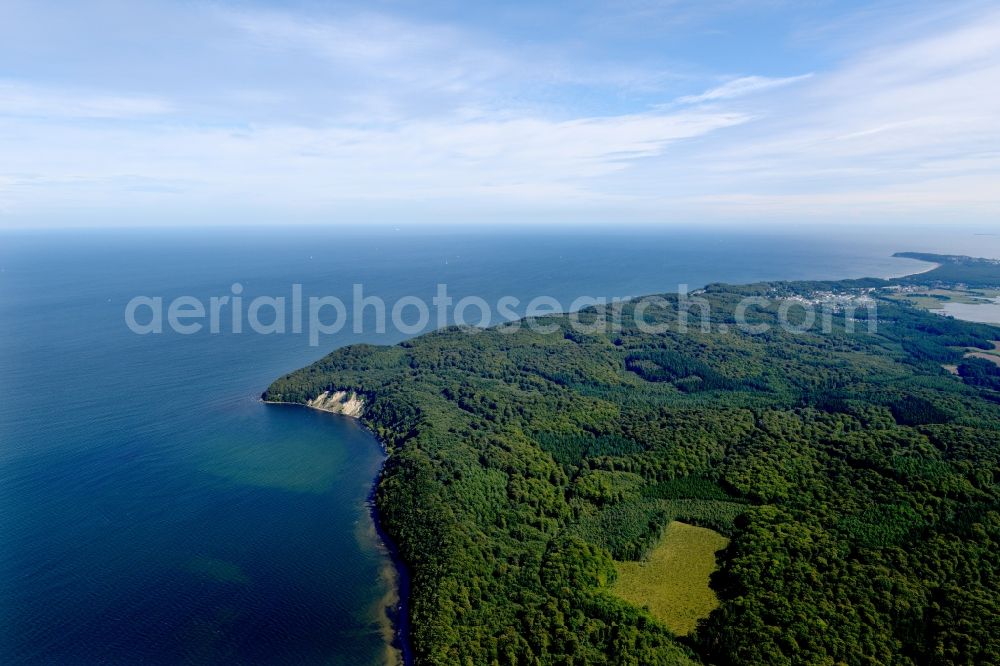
339,112
380,46
746,85
393,68
514,160
898,125
19,99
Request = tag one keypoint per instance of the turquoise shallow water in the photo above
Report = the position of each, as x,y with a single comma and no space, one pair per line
153,510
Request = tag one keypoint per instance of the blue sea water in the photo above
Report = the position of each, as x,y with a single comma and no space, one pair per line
152,510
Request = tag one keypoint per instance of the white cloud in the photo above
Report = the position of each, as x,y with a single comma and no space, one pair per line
908,126
967,198
521,159
386,68
741,87
381,109
18,99
379,68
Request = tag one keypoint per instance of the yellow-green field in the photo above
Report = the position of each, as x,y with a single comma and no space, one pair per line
673,582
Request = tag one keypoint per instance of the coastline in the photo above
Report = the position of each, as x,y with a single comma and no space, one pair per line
393,606
392,610
933,267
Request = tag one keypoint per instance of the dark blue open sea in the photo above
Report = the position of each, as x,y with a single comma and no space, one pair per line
152,510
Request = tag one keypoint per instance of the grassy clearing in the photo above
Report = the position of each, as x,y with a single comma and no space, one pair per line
673,582
925,302
934,299
992,352
986,356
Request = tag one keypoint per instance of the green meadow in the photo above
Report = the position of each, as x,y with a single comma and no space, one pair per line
673,581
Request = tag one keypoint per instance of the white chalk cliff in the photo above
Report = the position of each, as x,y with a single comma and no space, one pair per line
339,402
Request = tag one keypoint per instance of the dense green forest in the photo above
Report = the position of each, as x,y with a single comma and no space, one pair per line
856,479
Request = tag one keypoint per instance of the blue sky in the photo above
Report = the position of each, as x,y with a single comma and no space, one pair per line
629,111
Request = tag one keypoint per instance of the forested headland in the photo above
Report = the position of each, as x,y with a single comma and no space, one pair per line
855,478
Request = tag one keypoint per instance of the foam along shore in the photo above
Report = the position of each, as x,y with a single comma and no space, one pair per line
347,403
